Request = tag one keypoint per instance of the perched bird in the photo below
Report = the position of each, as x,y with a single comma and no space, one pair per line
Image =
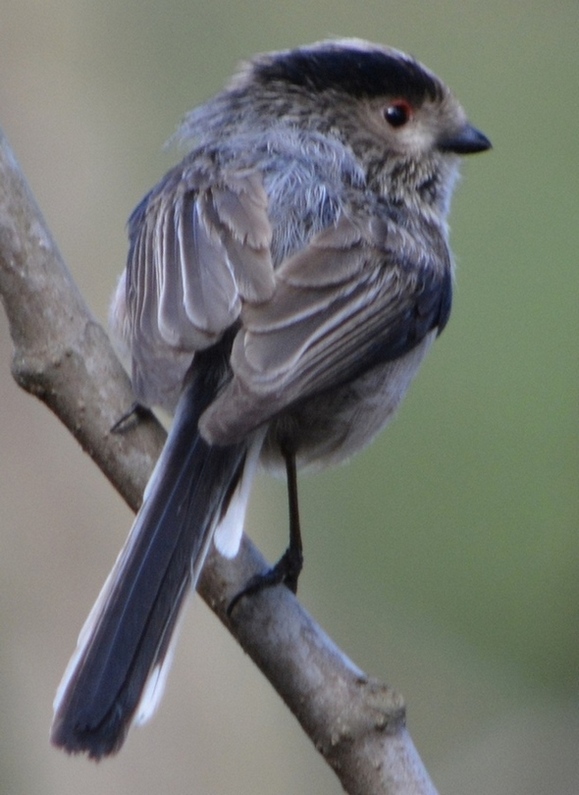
284,282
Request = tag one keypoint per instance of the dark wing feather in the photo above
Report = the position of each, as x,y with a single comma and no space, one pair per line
347,303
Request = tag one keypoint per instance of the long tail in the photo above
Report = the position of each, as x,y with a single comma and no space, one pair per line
117,672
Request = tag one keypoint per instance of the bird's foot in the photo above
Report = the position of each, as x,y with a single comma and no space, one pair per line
285,572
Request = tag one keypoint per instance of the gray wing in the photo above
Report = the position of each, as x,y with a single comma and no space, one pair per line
199,249
360,294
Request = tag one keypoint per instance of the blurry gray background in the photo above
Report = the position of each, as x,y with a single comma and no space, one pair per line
445,558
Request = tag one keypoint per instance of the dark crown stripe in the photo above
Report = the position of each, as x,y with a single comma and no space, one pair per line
360,73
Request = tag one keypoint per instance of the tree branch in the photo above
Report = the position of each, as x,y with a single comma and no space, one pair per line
63,356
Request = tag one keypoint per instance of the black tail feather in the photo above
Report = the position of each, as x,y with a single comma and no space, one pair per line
128,635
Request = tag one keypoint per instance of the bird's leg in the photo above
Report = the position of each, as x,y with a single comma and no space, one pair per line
287,570
292,560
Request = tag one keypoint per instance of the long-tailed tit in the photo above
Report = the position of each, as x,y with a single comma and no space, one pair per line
284,283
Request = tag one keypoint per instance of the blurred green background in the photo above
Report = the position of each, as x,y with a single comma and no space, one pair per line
445,559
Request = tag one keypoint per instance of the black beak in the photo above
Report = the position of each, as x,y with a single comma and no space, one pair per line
466,141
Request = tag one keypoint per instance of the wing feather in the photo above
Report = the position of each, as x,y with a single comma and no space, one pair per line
210,293
324,327
200,247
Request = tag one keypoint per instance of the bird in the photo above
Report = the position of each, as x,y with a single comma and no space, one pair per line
283,284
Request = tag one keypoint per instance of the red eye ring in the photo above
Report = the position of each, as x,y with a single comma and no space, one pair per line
398,113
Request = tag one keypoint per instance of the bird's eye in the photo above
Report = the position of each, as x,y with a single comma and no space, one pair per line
398,113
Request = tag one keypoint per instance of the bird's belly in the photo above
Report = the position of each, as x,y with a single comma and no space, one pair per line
331,427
